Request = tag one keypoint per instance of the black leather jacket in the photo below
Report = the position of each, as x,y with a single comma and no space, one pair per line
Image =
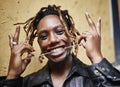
81,75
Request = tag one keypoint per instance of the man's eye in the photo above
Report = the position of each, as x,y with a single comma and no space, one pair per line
43,36
60,32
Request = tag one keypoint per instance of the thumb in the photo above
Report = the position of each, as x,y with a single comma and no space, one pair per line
26,61
83,43
80,39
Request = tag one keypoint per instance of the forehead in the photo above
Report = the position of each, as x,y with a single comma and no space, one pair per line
49,21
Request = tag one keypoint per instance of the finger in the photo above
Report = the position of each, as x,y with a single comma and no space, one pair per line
16,35
10,40
29,46
98,26
26,61
23,48
83,43
76,32
80,38
90,21
86,34
23,45
26,48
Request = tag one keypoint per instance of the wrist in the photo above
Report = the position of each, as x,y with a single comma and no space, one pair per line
11,75
96,59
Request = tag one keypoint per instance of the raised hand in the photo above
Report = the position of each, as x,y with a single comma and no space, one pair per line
18,64
92,40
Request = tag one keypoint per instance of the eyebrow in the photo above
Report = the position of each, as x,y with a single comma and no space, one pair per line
44,30
58,26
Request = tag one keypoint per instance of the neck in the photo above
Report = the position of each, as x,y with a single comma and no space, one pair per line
61,68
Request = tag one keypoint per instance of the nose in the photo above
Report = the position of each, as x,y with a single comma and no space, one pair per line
53,39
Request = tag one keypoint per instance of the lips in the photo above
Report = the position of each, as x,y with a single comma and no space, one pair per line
56,51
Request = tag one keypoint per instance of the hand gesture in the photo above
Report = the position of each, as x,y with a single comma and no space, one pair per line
92,40
17,64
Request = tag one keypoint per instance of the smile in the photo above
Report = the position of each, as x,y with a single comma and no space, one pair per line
57,51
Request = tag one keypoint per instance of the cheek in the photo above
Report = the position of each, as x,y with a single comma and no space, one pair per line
62,39
65,39
42,45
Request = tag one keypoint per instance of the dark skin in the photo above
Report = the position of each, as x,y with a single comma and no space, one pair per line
53,37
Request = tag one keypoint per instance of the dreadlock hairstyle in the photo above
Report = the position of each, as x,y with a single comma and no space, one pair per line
30,26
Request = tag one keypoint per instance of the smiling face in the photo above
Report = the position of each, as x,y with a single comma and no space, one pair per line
53,38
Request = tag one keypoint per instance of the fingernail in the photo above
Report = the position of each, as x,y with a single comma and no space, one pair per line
18,26
9,34
33,49
86,13
31,55
99,18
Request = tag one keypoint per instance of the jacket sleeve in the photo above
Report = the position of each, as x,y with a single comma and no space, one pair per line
104,74
11,83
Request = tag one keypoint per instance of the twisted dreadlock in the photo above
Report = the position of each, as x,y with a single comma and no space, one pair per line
30,26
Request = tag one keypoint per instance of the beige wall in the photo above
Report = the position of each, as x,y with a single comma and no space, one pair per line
12,11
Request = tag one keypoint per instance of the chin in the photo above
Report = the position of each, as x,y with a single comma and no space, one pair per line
59,60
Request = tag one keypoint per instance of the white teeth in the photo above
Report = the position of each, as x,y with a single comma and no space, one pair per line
57,49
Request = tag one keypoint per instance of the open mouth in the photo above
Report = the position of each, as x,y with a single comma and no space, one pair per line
56,51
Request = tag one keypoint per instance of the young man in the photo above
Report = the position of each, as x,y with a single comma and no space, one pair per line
56,35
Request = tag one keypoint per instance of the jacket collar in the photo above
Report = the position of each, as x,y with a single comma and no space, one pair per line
43,76
78,68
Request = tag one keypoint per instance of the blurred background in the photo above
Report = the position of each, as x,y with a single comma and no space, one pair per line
13,11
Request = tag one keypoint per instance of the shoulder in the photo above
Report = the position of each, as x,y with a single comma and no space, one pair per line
38,73
36,77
